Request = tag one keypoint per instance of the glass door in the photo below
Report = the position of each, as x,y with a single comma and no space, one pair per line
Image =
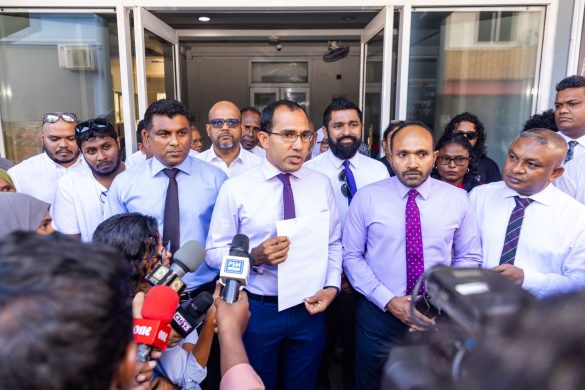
157,53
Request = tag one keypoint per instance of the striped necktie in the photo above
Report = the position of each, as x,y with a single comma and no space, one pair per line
513,230
571,150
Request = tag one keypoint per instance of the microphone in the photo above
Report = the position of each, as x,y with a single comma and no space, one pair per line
153,330
191,314
235,268
187,259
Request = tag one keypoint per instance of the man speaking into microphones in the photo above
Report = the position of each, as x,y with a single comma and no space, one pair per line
272,205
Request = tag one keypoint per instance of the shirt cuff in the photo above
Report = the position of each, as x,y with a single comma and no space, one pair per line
333,279
532,281
241,376
380,296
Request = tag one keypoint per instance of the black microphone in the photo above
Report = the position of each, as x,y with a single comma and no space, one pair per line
187,259
191,313
235,268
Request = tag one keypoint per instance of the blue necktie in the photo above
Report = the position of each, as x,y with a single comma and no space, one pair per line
571,150
350,181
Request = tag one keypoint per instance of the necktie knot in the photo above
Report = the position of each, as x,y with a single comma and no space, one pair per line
346,164
412,193
171,172
570,151
284,178
523,202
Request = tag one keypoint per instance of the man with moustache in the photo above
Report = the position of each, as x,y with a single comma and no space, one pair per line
532,232
570,114
78,207
197,144
418,223
250,129
225,130
38,175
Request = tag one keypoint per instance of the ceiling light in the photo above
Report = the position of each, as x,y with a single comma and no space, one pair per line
347,18
204,18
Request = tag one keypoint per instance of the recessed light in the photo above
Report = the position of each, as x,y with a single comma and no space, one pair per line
204,18
348,18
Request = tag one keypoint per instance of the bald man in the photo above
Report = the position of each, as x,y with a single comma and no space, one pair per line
418,223
224,127
532,232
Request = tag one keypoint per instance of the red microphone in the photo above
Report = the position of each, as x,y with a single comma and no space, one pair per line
153,330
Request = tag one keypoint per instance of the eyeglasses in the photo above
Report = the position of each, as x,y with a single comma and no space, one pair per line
53,117
291,136
98,123
218,123
470,135
324,143
344,187
458,160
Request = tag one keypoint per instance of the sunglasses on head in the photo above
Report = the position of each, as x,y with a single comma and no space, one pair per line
218,123
52,117
98,123
470,135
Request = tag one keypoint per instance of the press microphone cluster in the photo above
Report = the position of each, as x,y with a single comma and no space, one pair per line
153,329
191,314
187,259
235,268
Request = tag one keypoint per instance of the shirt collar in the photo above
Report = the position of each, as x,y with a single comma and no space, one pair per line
354,162
546,196
156,166
580,140
215,156
424,189
270,171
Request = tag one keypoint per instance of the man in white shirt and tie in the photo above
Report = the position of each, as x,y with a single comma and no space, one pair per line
38,175
224,127
532,232
570,114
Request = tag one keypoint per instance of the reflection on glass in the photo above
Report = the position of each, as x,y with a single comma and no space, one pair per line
280,72
160,69
373,92
480,62
55,62
262,99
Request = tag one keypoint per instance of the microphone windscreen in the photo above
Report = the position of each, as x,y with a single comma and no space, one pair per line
191,254
240,243
160,304
202,302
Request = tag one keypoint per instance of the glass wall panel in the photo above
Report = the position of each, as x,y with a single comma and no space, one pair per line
55,62
160,69
373,92
481,62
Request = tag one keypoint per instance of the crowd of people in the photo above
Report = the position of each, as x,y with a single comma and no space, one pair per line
350,234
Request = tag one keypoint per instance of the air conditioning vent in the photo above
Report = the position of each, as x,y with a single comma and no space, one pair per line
76,57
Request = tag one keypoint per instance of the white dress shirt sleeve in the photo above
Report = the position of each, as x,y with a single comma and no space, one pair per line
114,203
63,208
223,227
181,367
466,240
334,267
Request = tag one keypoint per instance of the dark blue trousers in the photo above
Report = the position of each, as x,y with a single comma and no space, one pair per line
375,334
292,335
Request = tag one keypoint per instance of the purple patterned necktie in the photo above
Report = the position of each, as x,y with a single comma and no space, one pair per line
415,263
513,230
287,196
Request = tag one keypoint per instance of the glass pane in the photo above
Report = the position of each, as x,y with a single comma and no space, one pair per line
262,99
481,62
55,62
298,96
160,68
373,92
280,72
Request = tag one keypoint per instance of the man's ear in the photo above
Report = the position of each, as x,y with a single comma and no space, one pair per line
556,173
435,154
263,139
124,376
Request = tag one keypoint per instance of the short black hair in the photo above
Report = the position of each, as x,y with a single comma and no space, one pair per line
139,129
393,125
65,313
404,124
135,236
94,131
250,109
269,110
471,178
546,120
164,107
340,104
573,81
479,149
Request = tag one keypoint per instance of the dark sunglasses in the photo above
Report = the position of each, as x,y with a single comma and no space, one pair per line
98,123
470,135
344,187
218,123
52,117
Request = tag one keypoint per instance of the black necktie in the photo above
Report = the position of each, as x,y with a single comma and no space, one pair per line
171,229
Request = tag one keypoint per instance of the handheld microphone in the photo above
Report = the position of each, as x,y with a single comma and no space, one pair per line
235,268
191,314
187,259
153,330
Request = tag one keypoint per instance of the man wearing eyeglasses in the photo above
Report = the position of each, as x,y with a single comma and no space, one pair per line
250,129
38,175
251,204
224,127
78,207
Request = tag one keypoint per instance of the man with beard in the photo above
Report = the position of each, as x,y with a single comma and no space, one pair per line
250,129
417,223
38,175
347,169
78,207
225,130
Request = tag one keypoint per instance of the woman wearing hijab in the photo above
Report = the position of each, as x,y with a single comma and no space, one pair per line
23,212
6,183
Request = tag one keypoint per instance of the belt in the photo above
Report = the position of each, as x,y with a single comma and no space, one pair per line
209,287
262,298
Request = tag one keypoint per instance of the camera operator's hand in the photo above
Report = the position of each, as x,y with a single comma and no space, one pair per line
511,272
144,370
400,308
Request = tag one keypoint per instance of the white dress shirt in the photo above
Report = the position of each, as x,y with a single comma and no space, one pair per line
244,161
572,181
258,151
181,367
579,148
365,170
78,207
38,175
551,247
251,204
